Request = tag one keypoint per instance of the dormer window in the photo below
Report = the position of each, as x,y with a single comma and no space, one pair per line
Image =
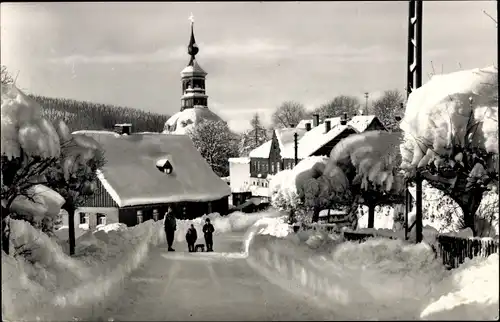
165,166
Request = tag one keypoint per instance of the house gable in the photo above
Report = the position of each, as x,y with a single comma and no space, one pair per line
101,198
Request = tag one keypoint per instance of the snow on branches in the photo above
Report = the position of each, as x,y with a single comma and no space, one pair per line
451,122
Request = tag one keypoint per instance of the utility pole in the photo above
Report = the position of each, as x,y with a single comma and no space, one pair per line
296,147
413,81
366,102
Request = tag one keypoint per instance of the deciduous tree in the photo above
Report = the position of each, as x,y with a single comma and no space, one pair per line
288,113
216,143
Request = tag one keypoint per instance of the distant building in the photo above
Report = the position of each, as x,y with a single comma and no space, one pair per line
194,99
145,173
315,138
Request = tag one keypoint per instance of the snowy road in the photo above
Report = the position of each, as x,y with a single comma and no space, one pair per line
206,286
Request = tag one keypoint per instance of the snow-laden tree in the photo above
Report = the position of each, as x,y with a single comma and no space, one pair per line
6,78
451,136
74,175
450,139
360,170
30,146
251,139
216,144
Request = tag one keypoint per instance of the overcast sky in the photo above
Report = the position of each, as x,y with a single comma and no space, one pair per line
256,54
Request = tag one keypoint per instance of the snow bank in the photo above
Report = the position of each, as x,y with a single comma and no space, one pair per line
469,293
234,222
54,286
377,279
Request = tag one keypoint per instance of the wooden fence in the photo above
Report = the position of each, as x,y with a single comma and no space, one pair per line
454,250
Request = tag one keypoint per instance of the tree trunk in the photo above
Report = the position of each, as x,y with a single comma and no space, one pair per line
315,217
71,229
371,215
5,231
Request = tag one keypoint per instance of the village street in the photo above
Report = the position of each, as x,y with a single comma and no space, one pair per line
206,286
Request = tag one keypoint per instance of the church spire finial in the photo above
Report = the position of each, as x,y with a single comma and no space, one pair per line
192,47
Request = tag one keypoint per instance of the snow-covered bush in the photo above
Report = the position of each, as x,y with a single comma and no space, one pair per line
451,136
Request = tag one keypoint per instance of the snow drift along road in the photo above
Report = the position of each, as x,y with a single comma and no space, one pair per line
378,279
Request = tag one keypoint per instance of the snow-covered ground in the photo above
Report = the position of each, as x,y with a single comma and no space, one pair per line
49,285
377,279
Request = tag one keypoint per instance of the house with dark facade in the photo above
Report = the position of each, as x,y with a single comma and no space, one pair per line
145,173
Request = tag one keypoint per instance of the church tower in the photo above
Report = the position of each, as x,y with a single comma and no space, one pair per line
193,78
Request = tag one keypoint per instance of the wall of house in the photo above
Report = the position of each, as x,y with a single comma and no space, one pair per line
275,164
182,210
239,176
259,166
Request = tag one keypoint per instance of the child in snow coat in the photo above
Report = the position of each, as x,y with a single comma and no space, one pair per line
191,237
208,230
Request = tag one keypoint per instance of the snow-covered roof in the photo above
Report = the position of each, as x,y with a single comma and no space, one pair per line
96,132
361,122
285,137
242,160
302,124
181,122
131,177
317,137
194,69
261,151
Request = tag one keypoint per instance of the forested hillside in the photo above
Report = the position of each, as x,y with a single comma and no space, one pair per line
93,116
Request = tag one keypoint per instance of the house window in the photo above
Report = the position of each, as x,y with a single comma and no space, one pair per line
101,219
272,167
278,167
266,167
83,218
258,166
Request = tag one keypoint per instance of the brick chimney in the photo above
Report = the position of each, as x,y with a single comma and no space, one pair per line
315,120
124,128
328,126
308,126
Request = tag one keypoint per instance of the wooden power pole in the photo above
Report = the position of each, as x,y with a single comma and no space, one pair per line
414,80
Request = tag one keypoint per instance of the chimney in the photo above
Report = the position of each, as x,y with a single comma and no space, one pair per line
308,126
315,120
292,125
125,128
328,126
343,120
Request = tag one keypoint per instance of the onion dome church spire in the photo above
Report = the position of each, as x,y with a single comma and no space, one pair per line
193,78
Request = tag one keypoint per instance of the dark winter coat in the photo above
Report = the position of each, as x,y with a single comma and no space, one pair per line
191,235
170,223
208,229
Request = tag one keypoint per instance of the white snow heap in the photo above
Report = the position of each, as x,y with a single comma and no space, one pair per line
444,113
40,201
182,122
23,127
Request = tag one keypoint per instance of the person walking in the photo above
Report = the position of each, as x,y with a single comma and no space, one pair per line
208,230
170,228
191,237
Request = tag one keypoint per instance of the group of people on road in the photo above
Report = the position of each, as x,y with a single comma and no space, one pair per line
191,234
